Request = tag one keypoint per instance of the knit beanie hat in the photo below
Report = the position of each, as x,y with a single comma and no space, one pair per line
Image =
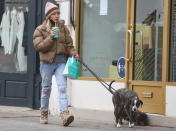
50,8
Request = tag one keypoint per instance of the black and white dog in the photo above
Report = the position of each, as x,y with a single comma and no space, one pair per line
126,103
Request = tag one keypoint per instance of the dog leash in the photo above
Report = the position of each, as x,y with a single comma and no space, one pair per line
98,78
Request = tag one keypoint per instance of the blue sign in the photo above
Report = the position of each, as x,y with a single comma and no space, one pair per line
121,67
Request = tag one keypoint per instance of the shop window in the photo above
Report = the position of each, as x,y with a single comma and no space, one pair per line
148,40
103,36
13,36
172,44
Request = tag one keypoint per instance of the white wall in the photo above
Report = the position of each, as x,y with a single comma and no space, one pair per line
65,15
91,95
170,101
65,12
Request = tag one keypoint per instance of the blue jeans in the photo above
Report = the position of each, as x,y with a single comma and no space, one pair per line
47,70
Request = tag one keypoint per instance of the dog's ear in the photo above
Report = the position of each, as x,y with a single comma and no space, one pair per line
141,103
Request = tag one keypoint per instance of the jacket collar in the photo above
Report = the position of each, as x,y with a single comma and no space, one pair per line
44,26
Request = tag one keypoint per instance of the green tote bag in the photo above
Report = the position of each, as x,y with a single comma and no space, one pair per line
72,68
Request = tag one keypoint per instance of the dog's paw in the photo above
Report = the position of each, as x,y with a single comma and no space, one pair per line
131,125
118,125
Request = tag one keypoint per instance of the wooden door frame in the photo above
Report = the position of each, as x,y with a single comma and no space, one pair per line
165,52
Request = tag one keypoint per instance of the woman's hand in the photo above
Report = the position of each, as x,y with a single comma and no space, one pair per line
76,56
52,33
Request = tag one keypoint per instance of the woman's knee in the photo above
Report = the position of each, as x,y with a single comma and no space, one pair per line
46,92
62,90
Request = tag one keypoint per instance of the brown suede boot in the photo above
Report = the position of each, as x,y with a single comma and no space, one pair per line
44,117
66,117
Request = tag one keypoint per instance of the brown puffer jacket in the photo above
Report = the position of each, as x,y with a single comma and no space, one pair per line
49,47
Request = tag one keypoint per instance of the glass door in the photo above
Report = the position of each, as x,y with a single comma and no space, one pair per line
148,40
146,18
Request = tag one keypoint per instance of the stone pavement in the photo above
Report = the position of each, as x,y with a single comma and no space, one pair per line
11,111
26,119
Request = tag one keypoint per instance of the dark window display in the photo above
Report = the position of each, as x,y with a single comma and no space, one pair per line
13,35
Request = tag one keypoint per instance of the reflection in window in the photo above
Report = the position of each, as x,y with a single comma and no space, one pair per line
172,55
148,40
104,36
13,36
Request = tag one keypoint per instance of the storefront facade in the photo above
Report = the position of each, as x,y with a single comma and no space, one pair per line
140,31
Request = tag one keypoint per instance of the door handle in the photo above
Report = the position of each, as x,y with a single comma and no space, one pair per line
131,35
147,94
141,46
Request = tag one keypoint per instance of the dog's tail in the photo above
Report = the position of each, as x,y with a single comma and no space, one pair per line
141,118
111,90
